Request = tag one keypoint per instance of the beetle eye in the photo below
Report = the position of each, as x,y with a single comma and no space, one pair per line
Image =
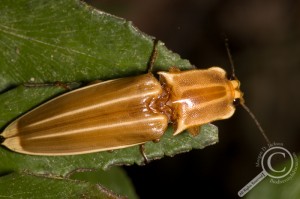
236,101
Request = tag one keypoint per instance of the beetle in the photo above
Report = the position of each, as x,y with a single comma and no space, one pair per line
125,112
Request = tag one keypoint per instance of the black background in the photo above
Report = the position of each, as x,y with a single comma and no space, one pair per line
264,38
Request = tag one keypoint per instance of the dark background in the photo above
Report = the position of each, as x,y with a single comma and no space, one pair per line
264,38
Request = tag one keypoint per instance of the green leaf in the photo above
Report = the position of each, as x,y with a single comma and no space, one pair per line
114,179
41,186
69,41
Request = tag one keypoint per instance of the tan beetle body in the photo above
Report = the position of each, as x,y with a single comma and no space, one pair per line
124,112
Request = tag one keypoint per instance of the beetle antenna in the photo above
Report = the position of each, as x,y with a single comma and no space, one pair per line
243,104
256,122
230,58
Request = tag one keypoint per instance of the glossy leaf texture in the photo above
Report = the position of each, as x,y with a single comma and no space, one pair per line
68,41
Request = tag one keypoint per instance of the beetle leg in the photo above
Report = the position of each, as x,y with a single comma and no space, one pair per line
174,69
156,140
142,150
66,86
62,85
194,131
153,56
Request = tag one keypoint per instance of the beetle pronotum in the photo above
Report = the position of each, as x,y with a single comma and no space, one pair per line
124,112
